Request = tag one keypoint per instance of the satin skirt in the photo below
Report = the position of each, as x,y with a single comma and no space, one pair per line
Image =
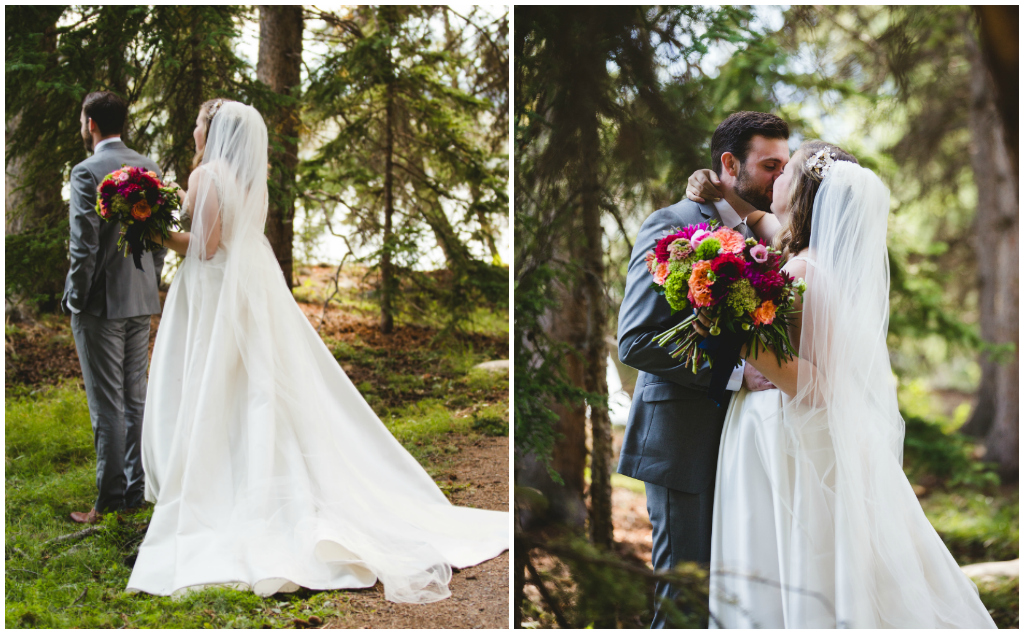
782,552
753,539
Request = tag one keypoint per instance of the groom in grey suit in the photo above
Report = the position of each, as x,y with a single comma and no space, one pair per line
673,430
110,302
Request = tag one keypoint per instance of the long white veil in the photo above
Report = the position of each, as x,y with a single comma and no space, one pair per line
268,467
858,531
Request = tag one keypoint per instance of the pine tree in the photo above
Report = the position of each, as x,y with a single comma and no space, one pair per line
402,150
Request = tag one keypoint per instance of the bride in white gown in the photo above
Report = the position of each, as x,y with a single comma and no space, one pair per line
267,468
815,524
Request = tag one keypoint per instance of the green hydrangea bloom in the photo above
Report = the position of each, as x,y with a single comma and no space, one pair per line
708,249
676,287
742,297
119,205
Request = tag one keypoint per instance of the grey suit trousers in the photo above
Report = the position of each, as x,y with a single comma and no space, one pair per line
115,357
676,518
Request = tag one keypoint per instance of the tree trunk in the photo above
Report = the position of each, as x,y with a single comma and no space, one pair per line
13,180
520,555
36,204
596,350
387,275
279,66
997,233
565,505
33,203
1000,47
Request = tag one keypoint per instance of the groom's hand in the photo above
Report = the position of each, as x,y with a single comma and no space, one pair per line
702,324
753,380
703,184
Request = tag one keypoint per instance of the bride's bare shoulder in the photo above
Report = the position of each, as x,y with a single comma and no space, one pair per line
797,265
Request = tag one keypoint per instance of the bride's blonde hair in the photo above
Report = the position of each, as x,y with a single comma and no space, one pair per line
208,110
796,235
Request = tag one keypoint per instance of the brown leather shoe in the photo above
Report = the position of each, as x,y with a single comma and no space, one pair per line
92,517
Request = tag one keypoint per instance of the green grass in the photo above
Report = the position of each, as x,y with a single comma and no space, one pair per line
49,472
976,527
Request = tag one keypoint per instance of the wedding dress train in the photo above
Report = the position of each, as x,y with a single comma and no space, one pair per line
268,469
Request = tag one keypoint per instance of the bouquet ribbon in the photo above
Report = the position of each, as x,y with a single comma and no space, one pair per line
133,235
724,350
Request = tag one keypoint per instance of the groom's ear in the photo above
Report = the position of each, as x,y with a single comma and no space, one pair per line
730,164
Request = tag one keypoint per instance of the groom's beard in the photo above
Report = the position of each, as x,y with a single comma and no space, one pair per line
747,190
87,142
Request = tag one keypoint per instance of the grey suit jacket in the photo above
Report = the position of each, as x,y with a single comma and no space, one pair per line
673,429
101,281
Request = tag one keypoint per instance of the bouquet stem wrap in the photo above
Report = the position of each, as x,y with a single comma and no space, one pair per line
133,236
724,352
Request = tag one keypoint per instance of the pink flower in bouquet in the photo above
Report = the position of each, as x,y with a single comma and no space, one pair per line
732,241
765,313
651,260
699,236
759,253
661,273
121,176
680,249
700,285
687,232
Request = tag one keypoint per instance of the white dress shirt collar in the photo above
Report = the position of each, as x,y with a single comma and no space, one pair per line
118,138
728,215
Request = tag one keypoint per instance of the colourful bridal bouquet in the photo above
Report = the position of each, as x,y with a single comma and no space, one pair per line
142,204
737,283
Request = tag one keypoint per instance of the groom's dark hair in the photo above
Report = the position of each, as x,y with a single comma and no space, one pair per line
733,135
107,109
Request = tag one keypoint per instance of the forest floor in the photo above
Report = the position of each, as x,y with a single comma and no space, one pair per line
451,416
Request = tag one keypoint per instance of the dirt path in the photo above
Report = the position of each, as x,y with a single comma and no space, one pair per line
479,594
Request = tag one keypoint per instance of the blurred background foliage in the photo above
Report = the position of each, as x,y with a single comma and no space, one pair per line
615,106
388,134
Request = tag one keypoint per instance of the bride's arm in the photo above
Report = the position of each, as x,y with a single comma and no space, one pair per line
764,225
178,241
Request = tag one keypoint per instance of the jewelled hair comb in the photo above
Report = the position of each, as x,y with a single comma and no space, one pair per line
820,162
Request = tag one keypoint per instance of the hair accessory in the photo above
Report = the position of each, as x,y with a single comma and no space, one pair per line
215,106
821,161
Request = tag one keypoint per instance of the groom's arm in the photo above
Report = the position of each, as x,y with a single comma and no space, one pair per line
84,243
644,314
